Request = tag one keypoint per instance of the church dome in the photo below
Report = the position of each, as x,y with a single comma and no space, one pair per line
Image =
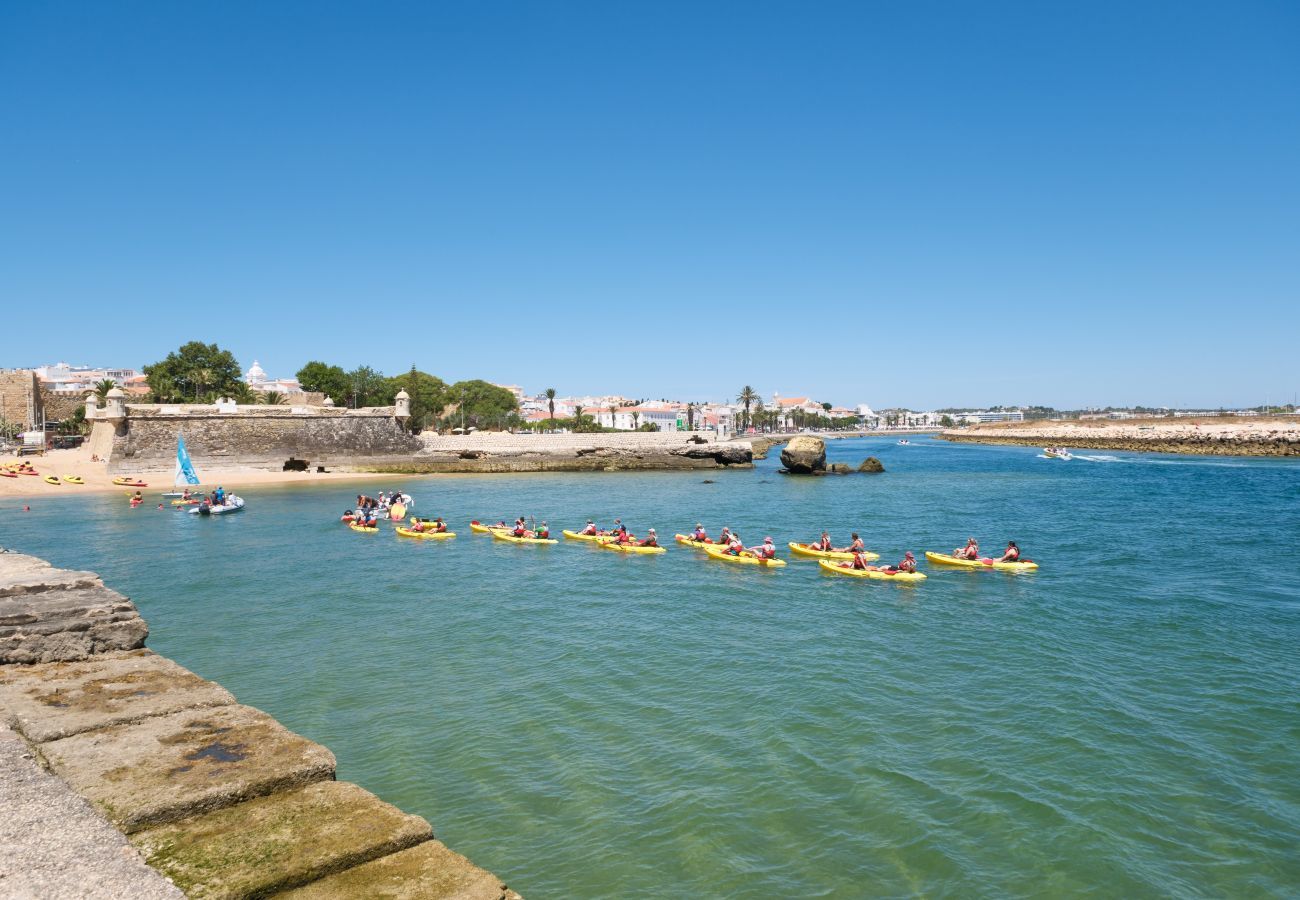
255,374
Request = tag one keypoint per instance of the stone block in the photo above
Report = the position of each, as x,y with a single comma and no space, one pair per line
23,574
273,843
60,624
168,767
430,871
54,700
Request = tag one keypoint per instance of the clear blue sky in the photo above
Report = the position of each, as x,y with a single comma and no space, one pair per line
908,203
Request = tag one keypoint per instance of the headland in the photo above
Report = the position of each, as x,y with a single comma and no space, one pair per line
1213,436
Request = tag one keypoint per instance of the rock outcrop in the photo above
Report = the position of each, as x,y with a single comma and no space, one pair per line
839,469
804,455
871,464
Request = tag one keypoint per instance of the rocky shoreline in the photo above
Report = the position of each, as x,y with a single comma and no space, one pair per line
1202,437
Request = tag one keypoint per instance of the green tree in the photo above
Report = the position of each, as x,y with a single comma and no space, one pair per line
690,416
550,404
103,387
636,420
760,414
479,403
329,380
191,371
366,387
747,398
613,411
428,395
945,421
272,398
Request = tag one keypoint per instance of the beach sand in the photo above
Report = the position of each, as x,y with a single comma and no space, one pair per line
62,463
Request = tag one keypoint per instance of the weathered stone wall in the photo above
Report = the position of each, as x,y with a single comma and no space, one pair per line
505,442
60,405
19,398
219,797
258,437
1218,436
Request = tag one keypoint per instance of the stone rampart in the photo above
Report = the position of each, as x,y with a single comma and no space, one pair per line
19,398
1218,436
601,452
219,797
258,437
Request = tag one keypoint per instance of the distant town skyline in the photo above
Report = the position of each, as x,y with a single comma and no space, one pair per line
1009,203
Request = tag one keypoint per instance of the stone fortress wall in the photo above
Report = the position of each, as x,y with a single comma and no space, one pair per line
20,398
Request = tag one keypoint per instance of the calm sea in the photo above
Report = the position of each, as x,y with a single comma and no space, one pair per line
1123,723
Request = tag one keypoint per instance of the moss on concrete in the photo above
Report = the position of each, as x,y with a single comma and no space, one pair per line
430,871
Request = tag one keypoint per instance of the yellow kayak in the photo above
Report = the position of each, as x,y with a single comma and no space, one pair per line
480,528
837,569
595,538
805,550
426,535
630,548
698,545
944,559
745,560
507,536
193,502
362,527
73,479
51,479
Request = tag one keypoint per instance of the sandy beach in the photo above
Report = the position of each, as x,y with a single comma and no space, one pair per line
62,463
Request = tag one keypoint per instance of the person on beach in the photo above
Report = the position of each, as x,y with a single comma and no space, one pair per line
590,528
970,551
1011,554
699,534
823,543
650,539
855,545
766,550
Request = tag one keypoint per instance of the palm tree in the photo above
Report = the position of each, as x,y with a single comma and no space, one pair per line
272,398
636,420
747,397
690,416
202,379
550,402
613,411
243,394
577,416
760,413
103,387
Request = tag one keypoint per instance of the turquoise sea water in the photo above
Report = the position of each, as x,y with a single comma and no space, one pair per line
1123,723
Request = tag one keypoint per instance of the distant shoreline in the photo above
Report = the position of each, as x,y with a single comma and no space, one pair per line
1218,436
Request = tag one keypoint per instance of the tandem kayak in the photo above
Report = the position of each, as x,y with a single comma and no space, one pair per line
73,479
480,528
837,569
630,548
51,479
805,550
745,559
689,542
594,538
506,536
129,482
372,528
944,559
426,535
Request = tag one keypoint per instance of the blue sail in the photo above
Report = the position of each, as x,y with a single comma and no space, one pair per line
184,466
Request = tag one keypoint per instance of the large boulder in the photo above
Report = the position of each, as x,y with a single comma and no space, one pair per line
871,464
804,455
840,469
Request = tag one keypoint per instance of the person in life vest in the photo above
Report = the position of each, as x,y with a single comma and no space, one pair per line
590,528
544,532
859,562
735,546
621,535
823,543
724,538
1011,554
519,530
618,526
855,545
651,540
699,534
970,551
766,550
418,525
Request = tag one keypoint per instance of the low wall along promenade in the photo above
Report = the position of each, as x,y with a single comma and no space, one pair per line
218,797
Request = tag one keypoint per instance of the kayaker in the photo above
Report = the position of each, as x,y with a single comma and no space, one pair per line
970,551
734,544
699,534
823,543
908,563
590,528
543,533
439,525
650,539
519,530
618,526
766,550
724,539
1011,554
417,525
860,562
855,545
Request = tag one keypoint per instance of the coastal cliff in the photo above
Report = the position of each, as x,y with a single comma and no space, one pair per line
1219,436
218,797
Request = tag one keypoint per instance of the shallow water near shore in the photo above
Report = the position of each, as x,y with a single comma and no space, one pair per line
1124,722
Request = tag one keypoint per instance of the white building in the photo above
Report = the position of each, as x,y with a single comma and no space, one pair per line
976,417
259,381
629,418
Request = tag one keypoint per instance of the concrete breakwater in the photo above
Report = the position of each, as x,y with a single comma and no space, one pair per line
1209,437
218,797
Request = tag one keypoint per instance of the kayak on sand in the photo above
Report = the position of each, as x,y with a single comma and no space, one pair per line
944,559
502,535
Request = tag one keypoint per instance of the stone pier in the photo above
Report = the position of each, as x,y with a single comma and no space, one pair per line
218,798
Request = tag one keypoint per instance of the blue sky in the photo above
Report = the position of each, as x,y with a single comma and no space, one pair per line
919,204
